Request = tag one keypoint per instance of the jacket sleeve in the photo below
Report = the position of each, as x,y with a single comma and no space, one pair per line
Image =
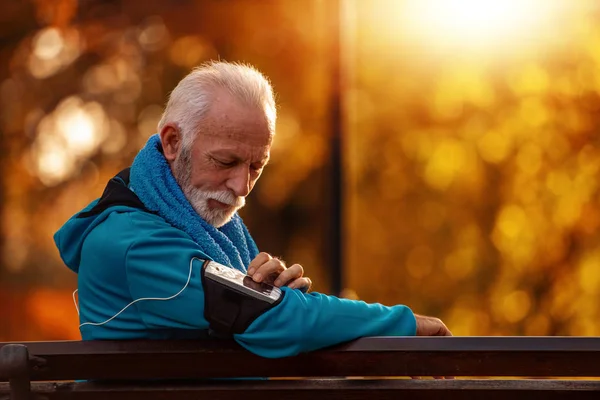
161,266
306,322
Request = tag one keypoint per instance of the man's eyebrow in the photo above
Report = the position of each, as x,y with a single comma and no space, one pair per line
223,153
233,157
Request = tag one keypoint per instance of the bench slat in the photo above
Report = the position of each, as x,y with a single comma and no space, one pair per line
325,389
410,343
411,356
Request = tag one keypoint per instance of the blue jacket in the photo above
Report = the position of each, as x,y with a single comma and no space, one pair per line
138,279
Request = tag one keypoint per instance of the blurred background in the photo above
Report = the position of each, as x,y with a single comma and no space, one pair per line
438,153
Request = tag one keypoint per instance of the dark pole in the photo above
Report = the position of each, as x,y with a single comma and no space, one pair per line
336,146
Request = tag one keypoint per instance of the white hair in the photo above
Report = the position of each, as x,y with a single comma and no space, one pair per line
191,98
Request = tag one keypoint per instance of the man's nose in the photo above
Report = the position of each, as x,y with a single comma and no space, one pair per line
239,181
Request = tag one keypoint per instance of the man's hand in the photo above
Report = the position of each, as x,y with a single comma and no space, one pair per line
430,326
265,268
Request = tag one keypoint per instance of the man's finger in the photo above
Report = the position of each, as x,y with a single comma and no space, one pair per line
259,260
273,266
301,283
445,331
292,273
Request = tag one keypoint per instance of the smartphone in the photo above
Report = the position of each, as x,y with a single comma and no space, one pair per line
241,282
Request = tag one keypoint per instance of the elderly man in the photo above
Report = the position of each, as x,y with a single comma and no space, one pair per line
140,250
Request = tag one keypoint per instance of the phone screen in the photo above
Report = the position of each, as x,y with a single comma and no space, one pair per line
261,287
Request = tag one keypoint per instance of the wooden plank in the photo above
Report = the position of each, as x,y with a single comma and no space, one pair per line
410,356
325,389
369,344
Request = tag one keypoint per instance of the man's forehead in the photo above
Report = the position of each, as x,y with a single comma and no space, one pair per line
234,125
236,137
240,132
245,125
246,146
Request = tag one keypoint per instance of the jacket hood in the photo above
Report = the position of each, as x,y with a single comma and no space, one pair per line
117,197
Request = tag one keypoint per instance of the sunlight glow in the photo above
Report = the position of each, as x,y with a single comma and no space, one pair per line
48,44
477,22
53,50
54,165
67,137
78,129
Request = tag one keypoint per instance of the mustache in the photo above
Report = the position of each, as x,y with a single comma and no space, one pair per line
225,197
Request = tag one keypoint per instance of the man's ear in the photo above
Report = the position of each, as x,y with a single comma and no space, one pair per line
170,138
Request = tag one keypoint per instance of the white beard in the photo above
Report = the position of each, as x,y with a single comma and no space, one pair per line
217,217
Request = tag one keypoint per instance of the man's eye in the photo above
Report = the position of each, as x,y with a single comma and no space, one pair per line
225,163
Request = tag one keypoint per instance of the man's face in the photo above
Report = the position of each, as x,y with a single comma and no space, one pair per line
225,160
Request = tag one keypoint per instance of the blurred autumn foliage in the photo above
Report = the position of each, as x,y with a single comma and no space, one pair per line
471,171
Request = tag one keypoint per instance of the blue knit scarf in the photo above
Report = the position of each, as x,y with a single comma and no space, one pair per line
152,181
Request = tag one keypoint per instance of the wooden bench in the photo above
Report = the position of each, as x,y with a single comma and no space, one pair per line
178,370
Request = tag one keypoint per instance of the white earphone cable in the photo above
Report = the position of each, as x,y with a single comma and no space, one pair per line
75,301
141,299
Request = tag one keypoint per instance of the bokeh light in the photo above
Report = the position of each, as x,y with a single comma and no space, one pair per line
470,145
477,22
54,50
66,137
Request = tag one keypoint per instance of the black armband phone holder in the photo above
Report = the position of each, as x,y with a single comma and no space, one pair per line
232,300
